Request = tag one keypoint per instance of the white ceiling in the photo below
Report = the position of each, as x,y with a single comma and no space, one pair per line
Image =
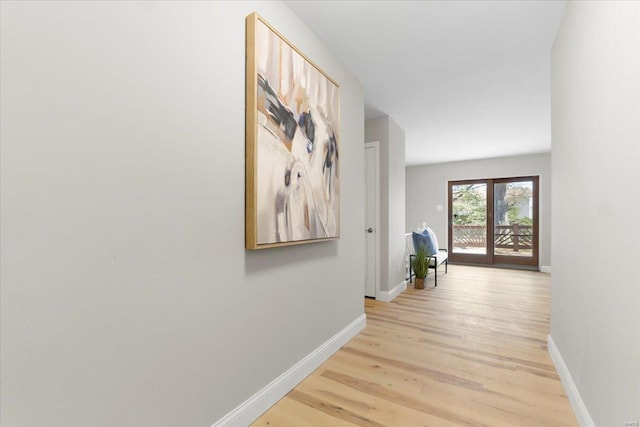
465,79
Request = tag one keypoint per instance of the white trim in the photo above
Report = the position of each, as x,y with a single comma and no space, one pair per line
387,296
248,411
545,269
579,408
376,179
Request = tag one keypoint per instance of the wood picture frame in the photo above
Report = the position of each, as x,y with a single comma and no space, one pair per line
292,185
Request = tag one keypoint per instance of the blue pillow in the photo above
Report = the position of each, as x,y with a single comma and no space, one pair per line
429,243
434,240
420,239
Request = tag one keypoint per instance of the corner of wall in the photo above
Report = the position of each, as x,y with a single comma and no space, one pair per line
388,296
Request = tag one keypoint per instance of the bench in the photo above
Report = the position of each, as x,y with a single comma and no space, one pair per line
442,257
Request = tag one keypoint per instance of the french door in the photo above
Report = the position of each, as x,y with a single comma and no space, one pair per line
494,221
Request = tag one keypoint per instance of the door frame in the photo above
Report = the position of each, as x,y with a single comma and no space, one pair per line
489,258
533,260
375,145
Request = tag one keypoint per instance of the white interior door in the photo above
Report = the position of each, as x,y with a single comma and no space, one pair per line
371,220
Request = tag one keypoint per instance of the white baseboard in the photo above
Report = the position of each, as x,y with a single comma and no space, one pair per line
256,405
545,269
579,408
387,296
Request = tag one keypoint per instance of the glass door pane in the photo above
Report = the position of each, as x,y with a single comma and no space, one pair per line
469,218
513,218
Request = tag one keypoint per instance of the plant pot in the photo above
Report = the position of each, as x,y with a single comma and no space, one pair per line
419,284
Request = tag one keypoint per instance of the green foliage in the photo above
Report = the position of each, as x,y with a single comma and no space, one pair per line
525,221
420,263
469,204
516,195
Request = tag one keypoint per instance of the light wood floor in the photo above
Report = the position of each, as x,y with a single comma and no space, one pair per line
470,352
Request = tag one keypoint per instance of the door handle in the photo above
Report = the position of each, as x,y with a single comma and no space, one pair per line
369,230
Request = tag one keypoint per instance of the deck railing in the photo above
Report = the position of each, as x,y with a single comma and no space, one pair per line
514,237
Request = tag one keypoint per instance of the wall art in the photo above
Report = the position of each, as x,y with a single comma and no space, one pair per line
292,144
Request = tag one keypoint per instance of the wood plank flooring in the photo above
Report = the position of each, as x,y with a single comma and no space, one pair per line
470,352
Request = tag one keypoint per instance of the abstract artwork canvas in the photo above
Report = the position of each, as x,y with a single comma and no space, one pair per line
292,144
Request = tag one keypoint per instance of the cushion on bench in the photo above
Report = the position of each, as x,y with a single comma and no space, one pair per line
440,257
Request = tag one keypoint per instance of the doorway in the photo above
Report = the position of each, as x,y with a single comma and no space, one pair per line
494,221
372,224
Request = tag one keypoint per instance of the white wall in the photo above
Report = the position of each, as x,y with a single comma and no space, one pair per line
427,188
595,158
128,298
392,204
397,205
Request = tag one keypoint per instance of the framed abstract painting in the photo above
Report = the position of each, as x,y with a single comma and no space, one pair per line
292,193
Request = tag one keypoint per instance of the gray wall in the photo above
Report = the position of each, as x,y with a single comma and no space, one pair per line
128,298
427,188
392,203
596,153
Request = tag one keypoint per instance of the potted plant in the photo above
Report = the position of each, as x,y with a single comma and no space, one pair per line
420,265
